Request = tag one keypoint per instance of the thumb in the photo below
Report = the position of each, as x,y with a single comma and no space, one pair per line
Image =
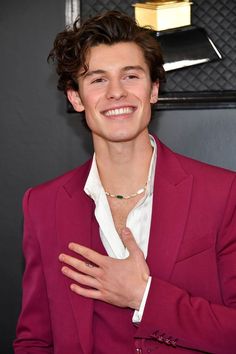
129,240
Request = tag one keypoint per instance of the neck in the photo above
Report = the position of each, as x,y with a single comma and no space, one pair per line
123,166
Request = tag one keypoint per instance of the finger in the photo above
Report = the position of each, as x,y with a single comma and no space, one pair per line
129,241
87,253
80,278
89,293
81,266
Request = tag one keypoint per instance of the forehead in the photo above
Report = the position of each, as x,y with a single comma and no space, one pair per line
113,56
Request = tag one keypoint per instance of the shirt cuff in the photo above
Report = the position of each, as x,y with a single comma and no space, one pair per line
138,314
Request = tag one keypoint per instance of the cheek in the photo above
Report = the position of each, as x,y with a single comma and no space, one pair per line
89,103
89,97
93,100
143,93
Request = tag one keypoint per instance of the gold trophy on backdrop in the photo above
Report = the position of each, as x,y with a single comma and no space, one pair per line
182,43
163,14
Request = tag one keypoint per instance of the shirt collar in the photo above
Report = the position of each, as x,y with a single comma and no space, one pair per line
93,186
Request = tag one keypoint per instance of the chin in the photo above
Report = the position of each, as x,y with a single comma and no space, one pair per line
122,136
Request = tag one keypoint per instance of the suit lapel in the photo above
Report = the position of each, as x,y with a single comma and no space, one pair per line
171,202
74,221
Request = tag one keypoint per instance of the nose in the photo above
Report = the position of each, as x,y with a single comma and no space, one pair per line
116,90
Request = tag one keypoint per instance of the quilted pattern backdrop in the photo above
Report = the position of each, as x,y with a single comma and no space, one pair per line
218,17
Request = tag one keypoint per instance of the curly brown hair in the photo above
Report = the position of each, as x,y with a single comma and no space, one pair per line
71,46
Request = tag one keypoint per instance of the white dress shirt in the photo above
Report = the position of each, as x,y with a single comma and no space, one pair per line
138,220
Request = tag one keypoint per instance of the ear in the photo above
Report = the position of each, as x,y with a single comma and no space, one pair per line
75,100
154,92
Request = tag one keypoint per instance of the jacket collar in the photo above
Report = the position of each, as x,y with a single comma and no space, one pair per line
168,167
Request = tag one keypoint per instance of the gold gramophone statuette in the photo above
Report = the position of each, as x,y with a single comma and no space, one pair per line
163,14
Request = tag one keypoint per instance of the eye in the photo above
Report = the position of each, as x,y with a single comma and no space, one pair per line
98,80
132,76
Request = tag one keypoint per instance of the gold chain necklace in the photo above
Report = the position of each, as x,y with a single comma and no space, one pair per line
120,196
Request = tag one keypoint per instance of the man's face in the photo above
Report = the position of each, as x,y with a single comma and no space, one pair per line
116,92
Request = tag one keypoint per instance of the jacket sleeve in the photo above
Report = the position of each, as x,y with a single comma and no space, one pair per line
173,316
33,334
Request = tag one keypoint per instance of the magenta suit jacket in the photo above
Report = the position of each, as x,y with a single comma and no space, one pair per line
192,259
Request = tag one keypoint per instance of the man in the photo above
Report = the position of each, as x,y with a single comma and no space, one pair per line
135,251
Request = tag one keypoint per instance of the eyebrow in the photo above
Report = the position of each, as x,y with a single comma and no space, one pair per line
133,67
124,69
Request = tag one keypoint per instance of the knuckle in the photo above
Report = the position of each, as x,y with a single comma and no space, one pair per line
76,264
139,252
85,252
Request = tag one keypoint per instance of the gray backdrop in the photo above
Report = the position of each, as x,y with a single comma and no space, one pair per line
39,140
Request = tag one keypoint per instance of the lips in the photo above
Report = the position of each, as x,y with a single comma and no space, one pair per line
119,111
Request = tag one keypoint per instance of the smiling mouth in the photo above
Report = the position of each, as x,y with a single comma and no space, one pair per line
119,111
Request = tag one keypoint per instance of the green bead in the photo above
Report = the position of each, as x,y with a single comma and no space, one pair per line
119,196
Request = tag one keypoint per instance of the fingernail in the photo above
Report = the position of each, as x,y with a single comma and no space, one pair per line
70,246
61,257
73,287
64,270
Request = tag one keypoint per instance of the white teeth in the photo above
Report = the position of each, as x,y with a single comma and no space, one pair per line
119,111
